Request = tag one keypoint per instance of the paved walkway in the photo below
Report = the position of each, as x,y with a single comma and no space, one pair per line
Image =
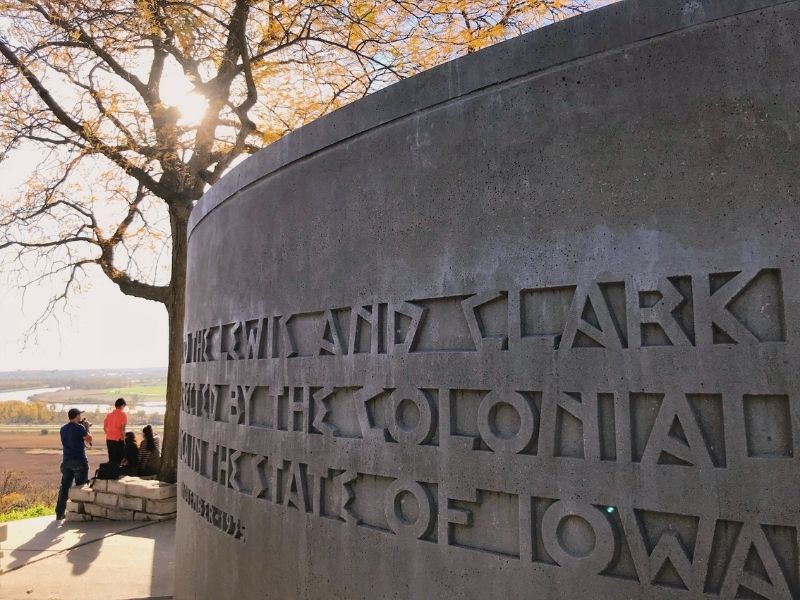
45,559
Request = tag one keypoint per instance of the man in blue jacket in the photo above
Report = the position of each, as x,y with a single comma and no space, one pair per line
74,464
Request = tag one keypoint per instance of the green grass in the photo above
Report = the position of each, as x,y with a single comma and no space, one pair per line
38,510
158,390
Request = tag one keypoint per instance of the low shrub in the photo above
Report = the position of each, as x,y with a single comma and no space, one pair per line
22,499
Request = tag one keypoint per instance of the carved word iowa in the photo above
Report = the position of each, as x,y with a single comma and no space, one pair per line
720,308
684,429
682,552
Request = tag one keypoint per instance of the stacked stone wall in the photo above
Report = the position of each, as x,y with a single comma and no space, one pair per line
125,499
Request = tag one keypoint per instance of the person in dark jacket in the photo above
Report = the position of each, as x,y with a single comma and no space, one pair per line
74,465
130,460
149,452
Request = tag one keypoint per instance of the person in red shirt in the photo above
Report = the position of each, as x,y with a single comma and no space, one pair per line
114,426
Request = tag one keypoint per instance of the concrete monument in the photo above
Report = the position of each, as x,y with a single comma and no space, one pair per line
523,326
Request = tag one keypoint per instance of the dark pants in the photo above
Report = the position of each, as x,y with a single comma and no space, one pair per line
116,451
72,470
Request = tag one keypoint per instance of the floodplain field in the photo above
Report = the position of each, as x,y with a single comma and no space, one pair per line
132,394
38,456
27,450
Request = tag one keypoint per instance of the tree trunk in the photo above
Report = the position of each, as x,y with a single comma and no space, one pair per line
179,217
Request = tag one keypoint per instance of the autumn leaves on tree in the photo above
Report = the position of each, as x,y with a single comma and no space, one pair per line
136,107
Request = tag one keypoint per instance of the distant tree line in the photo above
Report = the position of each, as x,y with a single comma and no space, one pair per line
37,413
23,413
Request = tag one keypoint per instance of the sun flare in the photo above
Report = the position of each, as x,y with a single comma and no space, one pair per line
192,108
177,91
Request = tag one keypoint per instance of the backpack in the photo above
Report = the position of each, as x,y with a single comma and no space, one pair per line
107,470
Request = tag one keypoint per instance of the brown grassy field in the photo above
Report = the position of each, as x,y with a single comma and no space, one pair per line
29,469
39,456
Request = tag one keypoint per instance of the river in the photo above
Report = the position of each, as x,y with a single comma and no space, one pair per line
149,406
25,394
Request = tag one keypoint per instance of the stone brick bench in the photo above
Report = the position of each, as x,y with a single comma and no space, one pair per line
124,499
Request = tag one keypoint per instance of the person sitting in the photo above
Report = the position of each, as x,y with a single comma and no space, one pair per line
130,460
149,459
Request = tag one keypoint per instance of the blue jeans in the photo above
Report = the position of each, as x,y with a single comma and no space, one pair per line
72,470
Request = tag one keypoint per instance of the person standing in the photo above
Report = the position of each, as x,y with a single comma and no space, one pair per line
74,464
114,426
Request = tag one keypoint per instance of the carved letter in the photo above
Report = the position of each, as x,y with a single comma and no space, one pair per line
498,441
712,309
296,493
480,338
409,432
738,574
602,332
330,337
347,497
398,519
414,314
604,543
321,410
690,448
372,318
368,431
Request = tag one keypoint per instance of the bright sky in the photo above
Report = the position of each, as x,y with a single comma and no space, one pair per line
102,328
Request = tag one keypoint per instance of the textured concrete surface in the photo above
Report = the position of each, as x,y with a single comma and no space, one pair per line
44,559
523,326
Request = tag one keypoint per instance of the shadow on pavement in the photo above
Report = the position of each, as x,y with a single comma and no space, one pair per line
42,542
119,560
89,547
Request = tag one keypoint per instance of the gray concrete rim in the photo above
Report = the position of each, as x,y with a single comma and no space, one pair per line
566,42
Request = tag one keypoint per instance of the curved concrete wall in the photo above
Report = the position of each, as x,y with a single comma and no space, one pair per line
525,325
